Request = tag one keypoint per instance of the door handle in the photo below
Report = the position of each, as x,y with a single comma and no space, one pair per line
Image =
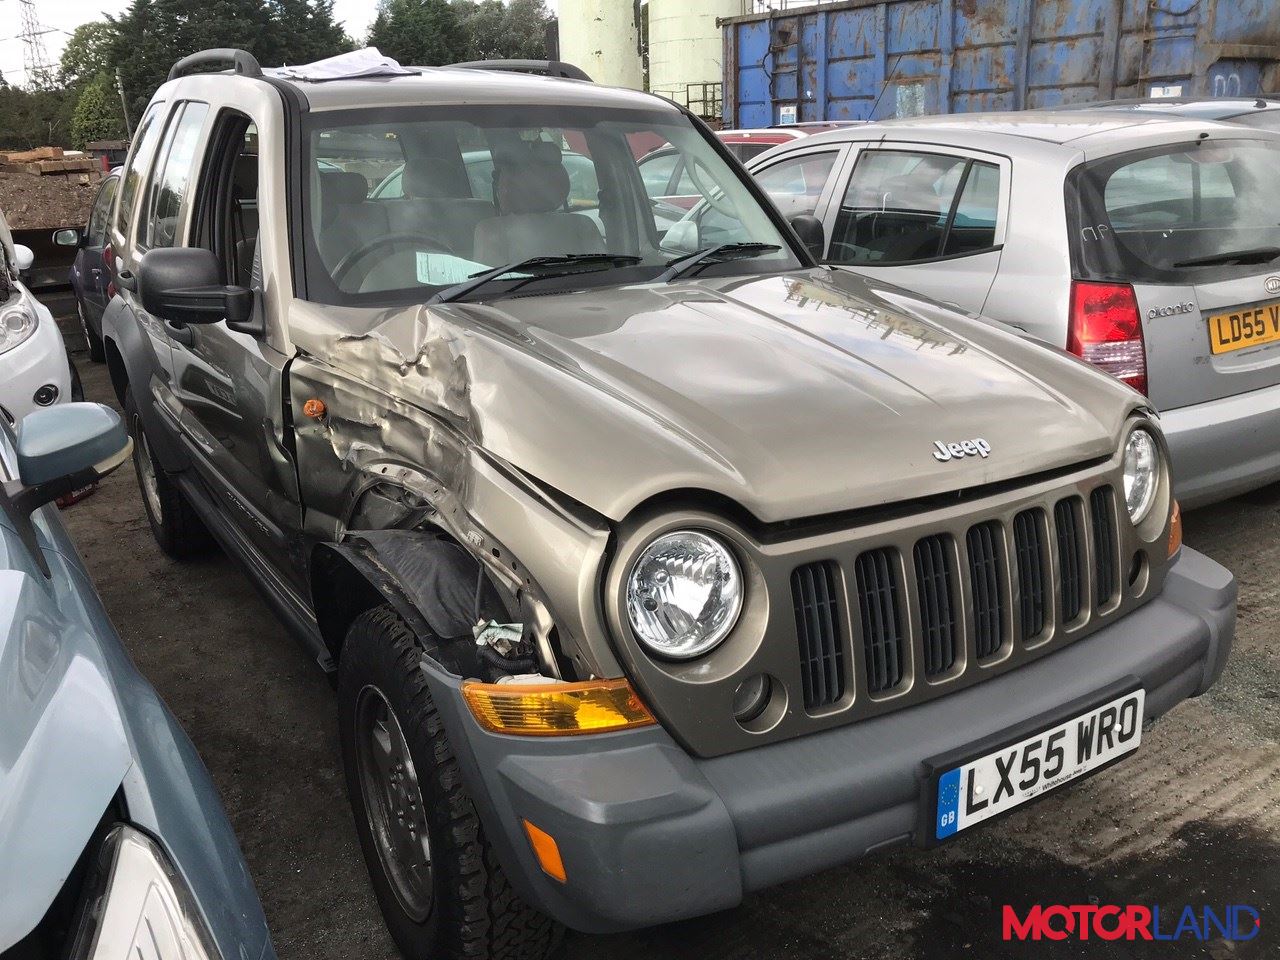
179,333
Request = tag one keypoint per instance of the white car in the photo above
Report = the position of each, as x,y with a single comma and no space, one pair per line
34,368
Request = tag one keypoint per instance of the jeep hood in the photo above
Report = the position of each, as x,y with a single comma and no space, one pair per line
795,395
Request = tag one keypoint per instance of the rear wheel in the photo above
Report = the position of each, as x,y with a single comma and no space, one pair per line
177,527
94,342
438,883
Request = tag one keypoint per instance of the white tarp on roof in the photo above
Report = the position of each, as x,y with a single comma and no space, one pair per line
346,66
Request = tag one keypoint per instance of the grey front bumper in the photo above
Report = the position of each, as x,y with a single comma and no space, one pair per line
649,834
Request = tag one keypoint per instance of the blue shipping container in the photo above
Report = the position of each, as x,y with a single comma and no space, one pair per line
864,59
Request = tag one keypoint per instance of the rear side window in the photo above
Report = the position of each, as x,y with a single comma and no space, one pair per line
101,213
171,178
795,184
1192,212
904,207
139,160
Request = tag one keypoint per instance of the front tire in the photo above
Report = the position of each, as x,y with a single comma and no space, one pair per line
177,527
438,883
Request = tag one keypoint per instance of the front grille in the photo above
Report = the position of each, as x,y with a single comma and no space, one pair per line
1003,588
881,618
1033,582
1106,561
813,593
1071,557
987,580
934,584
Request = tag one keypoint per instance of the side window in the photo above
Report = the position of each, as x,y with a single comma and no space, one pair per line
897,207
796,183
171,178
225,200
584,185
101,214
139,160
974,225
656,172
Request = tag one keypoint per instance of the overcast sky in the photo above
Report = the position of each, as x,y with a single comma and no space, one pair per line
62,16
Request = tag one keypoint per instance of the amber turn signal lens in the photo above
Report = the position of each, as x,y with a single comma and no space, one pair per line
314,408
551,710
547,851
1175,529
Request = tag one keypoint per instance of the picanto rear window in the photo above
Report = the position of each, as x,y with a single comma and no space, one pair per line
1195,212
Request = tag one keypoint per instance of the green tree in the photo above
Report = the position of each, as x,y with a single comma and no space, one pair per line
87,53
419,32
505,31
97,113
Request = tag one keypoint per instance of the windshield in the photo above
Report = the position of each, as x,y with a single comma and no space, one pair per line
405,203
1210,208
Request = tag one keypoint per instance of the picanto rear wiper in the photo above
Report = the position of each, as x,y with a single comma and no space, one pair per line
1257,255
682,266
535,266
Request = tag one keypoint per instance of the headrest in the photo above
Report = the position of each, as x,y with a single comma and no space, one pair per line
340,188
531,180
430,178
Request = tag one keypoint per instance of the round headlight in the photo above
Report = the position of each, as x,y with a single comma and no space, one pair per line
16,325
684,594
1141,474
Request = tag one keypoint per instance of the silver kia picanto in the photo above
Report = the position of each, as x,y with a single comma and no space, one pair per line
1149,246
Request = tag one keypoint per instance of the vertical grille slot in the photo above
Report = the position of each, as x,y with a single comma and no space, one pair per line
1102,509
1033,598
813,594
934,588
881,618
1071,556
987,585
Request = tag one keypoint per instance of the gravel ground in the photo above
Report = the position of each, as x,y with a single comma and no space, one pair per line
1193,818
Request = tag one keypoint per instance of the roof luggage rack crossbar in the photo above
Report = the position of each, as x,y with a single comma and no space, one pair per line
242,62
546,68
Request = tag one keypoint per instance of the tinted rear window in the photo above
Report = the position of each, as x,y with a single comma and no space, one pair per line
1190,213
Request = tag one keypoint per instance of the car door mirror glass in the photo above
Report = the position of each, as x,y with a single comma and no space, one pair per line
23,258
184,285
68,238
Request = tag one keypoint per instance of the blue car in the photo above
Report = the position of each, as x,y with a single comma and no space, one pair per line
113,842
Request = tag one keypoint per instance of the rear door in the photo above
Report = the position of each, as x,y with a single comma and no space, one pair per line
91,272
927,218
1195,227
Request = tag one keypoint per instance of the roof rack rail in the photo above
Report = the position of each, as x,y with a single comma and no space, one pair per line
546,68
242,62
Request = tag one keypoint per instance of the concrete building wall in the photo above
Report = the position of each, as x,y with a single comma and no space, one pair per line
685,45
603,38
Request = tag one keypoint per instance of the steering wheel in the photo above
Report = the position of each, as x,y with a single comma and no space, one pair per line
349,262
715,196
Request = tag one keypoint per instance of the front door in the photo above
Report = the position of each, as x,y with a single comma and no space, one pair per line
227,383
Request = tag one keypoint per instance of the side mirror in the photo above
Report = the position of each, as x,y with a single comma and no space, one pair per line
183,285
60,449
682,237
23,258
809,229
68,238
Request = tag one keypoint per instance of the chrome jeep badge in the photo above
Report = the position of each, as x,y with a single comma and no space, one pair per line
977,447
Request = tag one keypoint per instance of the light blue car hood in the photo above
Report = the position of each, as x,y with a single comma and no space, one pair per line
63,747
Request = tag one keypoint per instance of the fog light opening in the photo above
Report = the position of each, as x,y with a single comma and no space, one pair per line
1138,572
759,702
46,395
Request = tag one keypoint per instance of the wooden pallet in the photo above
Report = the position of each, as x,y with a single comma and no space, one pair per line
46,167
34,156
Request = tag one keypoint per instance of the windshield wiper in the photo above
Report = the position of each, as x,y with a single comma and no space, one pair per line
681,266
1254,255
536,266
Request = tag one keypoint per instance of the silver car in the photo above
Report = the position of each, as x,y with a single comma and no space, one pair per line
1147,245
